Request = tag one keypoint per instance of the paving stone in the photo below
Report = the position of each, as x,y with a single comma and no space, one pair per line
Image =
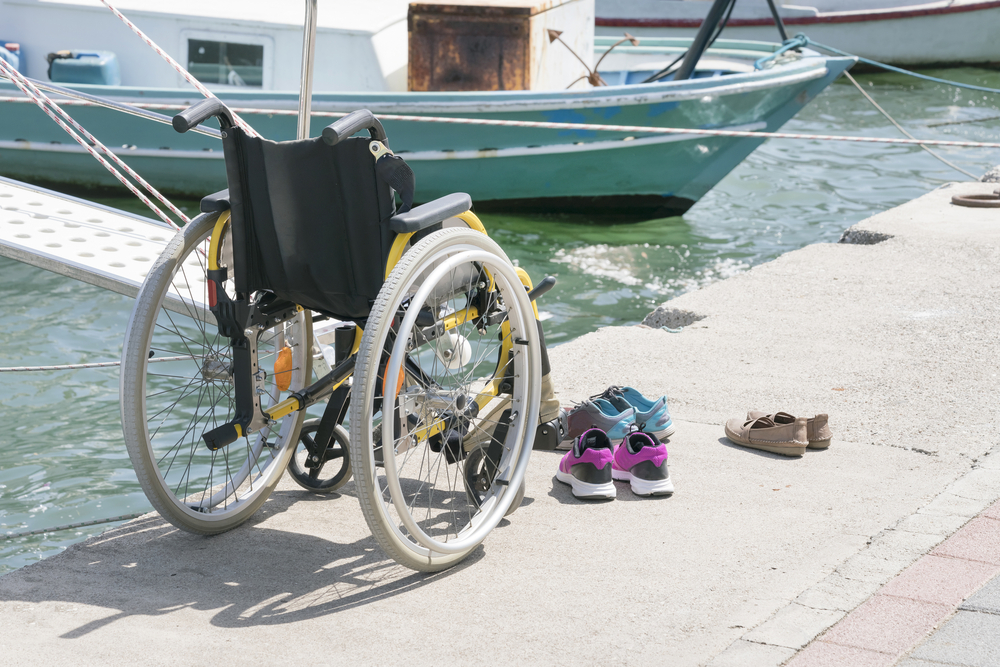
945,581
977,540
978,484
903,544
867,566
950,504
932,524
915,662
985,599
837,592
968,638
887,624
993,512
823,654
742,653
794,626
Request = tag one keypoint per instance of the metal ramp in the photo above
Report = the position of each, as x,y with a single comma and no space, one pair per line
99,245
79,239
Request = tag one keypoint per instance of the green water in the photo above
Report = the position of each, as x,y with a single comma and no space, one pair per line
63,459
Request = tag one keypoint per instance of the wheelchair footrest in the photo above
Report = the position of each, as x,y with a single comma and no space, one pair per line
548,435
223,435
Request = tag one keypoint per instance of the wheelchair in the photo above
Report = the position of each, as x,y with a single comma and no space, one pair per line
433,394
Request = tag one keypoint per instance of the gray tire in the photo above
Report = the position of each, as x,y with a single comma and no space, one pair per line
412,486
176,383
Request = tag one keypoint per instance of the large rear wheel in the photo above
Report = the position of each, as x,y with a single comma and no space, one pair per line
177,383
449,364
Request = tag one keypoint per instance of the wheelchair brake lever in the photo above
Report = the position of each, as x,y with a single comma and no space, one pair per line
543,286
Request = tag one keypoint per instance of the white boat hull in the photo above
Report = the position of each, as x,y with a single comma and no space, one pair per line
960,32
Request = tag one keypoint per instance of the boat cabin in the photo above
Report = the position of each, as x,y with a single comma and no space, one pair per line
227,44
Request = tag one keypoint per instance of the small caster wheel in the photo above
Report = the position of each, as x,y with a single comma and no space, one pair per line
332,471
478,482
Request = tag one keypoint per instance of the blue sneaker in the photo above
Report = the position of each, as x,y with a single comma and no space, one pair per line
600,414
653,414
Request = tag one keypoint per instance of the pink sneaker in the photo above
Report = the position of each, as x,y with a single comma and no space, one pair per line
642,462
587,466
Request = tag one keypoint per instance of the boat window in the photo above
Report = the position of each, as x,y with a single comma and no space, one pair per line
227,63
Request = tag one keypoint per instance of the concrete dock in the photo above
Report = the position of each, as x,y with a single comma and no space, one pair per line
895,335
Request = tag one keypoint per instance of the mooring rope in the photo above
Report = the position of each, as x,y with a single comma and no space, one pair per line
903,130
641,129
96,364
70,526
585,127
963,122
47,105
177,67
898,70
106,103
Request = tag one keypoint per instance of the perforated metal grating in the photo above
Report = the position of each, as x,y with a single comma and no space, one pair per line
78,239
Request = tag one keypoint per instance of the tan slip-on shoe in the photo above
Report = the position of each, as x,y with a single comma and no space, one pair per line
817,429
762,433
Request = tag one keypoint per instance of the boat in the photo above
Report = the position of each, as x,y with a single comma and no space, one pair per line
906,33
625,174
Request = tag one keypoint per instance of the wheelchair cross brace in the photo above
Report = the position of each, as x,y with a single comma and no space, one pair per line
227,434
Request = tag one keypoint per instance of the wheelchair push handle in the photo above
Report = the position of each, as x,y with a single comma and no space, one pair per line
352,123
198,113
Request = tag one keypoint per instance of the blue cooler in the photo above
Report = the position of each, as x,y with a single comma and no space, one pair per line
96,67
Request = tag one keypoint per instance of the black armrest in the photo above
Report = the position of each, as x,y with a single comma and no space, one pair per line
218,202
425,215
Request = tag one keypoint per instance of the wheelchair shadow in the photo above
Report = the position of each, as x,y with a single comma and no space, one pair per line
252,575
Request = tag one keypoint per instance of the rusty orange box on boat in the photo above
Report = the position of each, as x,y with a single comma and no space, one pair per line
498,44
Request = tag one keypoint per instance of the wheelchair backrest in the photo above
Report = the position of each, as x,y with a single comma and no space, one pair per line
309,220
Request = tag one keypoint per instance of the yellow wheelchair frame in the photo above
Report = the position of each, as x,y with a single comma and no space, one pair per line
399,245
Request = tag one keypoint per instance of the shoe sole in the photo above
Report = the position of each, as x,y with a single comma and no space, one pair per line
785,449
819,444
586,490
644,487
665,433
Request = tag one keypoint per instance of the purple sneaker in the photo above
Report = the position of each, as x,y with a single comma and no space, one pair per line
587,466
642,461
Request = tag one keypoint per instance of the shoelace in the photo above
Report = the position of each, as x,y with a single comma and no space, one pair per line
613,390
634,427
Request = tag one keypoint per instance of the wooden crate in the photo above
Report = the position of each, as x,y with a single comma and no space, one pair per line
498,44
